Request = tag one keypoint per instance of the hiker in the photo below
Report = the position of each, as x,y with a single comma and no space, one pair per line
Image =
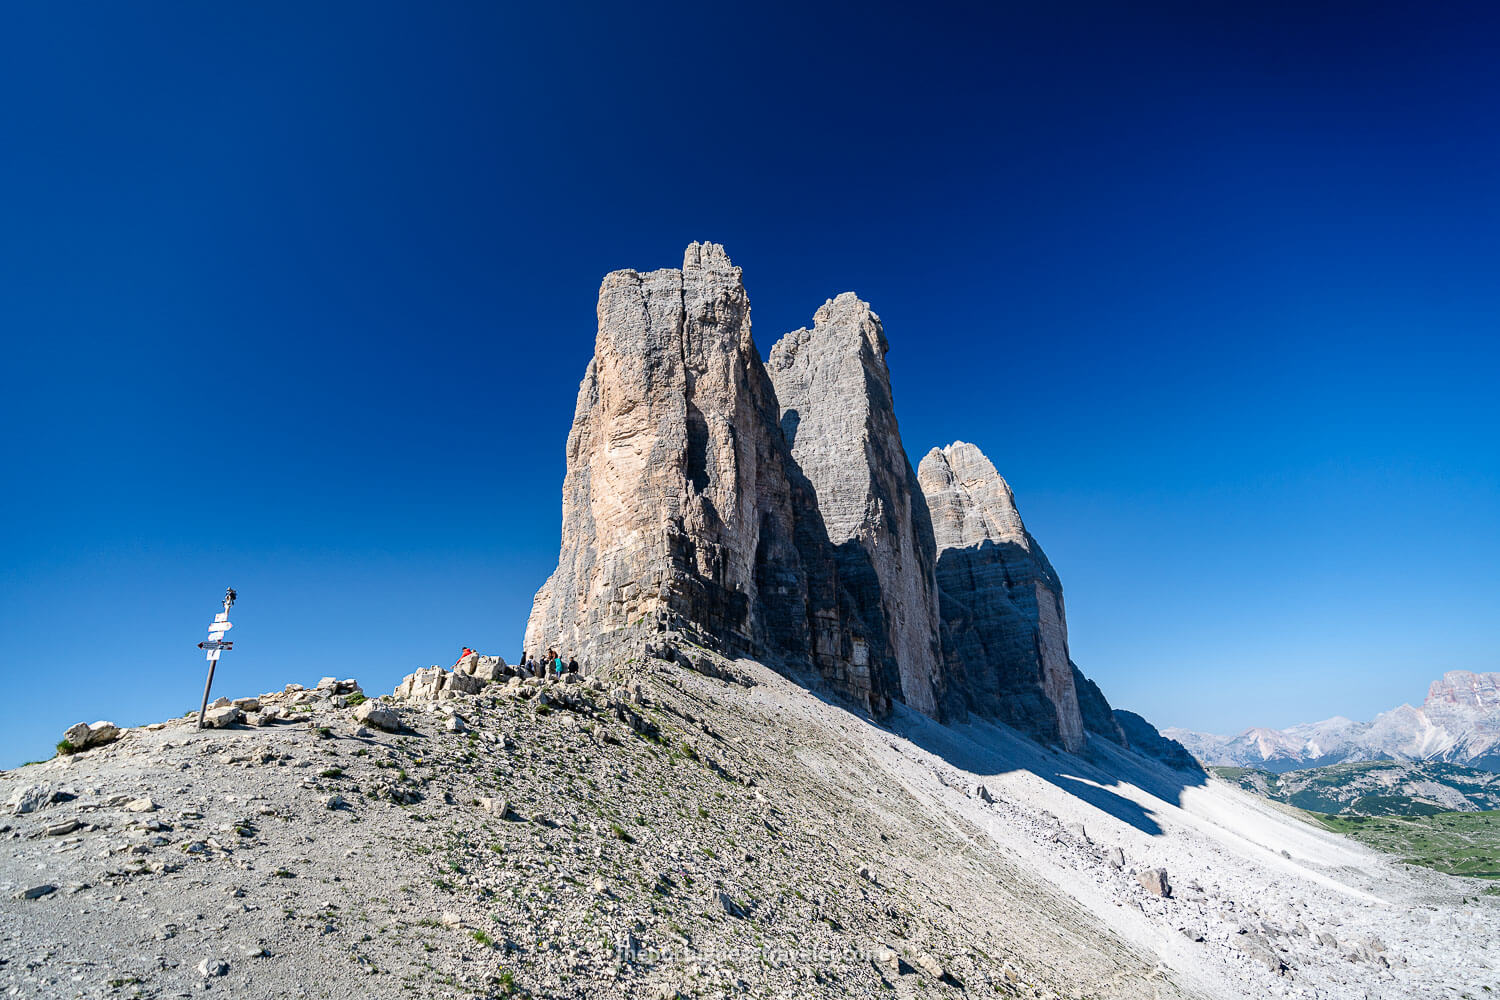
551,662
467,652
572,666
557,665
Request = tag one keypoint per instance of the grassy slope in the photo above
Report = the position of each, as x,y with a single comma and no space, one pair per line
1454,843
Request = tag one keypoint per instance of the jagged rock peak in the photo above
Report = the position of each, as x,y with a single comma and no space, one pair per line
708,257
979,504
1002,606
838,417
846,317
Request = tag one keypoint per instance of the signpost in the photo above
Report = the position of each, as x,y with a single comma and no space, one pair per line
215,645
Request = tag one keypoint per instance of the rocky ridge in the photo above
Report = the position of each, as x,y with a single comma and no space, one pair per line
682,826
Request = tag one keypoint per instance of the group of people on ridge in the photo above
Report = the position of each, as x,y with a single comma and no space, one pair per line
551,664
530,666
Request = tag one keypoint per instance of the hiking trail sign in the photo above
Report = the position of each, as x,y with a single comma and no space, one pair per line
215,645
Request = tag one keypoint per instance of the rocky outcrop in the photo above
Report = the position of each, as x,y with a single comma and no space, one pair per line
1005,629
839,420
1142,737
1098,717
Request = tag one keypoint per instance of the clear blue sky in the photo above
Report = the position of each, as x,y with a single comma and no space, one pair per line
296,297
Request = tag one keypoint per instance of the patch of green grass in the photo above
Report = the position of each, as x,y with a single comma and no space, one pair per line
332,772
1455,843
483,939
355,699
64,748
620,833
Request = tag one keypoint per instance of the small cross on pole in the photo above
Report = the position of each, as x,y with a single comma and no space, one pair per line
216,644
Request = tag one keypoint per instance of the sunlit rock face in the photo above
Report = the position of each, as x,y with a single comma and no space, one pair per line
675,502
1006,633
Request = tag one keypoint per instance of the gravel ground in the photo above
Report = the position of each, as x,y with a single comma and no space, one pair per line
657,832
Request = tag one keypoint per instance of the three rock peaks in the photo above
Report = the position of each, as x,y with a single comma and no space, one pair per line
769,510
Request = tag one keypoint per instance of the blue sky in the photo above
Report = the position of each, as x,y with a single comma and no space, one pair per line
296,298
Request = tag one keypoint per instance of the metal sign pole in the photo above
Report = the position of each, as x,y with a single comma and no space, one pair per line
215,645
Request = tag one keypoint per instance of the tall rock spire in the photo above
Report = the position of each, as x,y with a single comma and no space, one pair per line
839,420
1002,607
676,506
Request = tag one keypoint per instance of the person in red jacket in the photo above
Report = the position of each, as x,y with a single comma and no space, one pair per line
467,652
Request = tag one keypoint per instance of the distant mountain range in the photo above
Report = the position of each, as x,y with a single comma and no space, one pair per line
1459,723
1376,788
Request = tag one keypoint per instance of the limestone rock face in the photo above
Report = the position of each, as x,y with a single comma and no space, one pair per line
677,509
1006,633
839,420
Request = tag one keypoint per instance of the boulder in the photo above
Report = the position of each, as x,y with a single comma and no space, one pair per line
928,964
223,717
373,713
1154,881
490,668
85,736
464,684
29,798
